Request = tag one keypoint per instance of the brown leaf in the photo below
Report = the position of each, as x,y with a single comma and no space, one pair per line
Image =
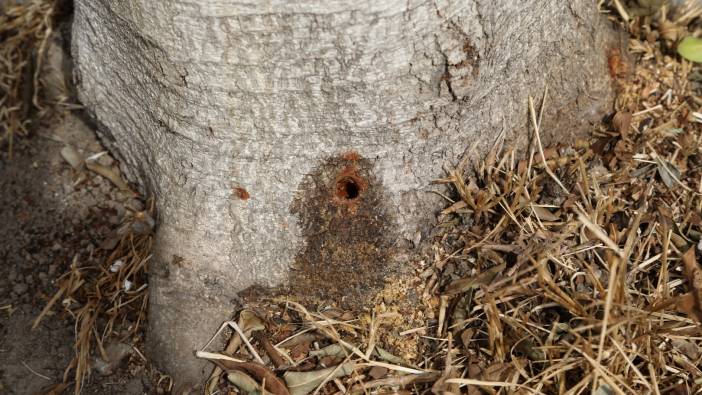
301,383
300,351
378,372
464,284
111,173
688,348
273,354
691,302
259,372
622,123
467,337
543,214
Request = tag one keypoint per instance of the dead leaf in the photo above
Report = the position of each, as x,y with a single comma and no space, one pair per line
464,284
250,322
691,302
244,382
302,383
386,356
467,337
689,349
300,351
272,353
622,123
378,372
543,214
259,372
111,173
333,350
668,172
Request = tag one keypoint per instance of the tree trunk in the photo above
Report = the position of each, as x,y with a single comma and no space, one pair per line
292,144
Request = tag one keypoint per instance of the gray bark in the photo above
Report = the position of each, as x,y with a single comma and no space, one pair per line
306,134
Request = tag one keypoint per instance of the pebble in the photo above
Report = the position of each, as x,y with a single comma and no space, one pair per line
20,288
115,352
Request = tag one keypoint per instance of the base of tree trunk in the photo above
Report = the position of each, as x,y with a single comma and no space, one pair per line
292,145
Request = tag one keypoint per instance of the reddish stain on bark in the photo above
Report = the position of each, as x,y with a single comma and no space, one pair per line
350,185
351,156
349,236
616,63
241,193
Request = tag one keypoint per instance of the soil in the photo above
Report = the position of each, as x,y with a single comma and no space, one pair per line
50,213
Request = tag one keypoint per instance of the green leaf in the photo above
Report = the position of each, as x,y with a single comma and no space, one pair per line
690,48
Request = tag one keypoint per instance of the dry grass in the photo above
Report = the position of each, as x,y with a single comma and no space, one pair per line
25,28
107,301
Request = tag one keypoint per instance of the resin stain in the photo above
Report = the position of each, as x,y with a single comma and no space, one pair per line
347,255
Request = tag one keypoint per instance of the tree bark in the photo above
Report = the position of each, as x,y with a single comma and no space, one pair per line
293,143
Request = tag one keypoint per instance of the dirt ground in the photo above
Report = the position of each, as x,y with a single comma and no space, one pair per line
49,215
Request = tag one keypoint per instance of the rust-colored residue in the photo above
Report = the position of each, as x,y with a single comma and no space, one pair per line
350,186
241,193
616,63
351,156
342,211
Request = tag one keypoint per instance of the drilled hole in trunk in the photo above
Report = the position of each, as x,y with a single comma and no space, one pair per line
347,188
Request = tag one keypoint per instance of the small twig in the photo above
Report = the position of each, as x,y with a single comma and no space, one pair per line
35,372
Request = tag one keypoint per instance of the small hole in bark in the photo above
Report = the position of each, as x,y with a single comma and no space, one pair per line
347,188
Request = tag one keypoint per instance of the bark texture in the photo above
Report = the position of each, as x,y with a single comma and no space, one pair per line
279,134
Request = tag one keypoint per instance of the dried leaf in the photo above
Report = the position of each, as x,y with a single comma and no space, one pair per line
543,214
110,173
244,382
378,372
332,350
386,356
259,372
604,389
464,284
688,348
271,351
668,172
691,302
302,383
249,322
622,123
300,351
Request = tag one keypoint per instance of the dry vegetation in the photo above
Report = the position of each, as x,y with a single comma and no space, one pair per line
109,300
573,270
24,30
